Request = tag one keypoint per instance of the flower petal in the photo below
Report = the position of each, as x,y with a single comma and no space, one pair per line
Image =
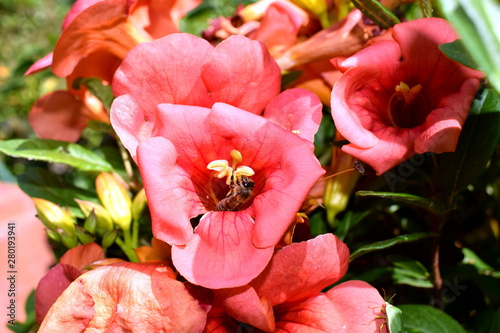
126,297
50,287
171,196
166,70
77,258
129,122
352,306
59,116
317,263
242,73
244,305
218,255
296,110
40,64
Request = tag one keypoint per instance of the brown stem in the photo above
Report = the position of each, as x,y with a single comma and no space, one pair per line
437,282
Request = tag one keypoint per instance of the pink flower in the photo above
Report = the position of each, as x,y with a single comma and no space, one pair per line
286,296
401,95
126,297
227,248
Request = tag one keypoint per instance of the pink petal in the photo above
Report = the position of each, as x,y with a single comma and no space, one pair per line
129,122
352,306
166,70
244,305
50,287
171,196
296,110
126,297
282,160
78,7
301,270
242,73
218,255
76,259
59,116
40,64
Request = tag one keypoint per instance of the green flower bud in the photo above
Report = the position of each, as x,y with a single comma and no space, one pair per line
109,238
53,235
139,204
68,240
54,217
115,199
103,218
83,235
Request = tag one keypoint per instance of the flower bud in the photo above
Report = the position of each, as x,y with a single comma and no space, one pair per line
68,240
83,235
139,204
53,235
115,199
103,219
53,216
109,238
316,7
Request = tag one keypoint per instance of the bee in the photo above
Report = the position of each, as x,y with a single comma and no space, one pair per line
240,191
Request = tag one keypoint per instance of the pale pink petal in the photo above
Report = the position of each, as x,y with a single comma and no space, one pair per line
59,116
242,73
166,70
126,297
129,122
171,195
243,304
317,264
296,110
40,64
221,254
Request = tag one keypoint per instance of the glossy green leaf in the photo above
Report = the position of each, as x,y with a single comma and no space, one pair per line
426,319
41,183
477,24
414,200
388,243
54,151
471,258
410,272
376,12
476,144
457,51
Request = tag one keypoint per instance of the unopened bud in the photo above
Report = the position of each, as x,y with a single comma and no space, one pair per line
68,240
139,204
115,199
109,238
83,235
103,218
53,216
53,235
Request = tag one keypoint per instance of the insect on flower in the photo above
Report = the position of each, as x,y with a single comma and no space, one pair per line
241,191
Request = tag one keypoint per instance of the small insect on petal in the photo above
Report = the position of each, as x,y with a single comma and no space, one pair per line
394,318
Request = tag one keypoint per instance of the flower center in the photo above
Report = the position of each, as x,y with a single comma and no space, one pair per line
240,185
407,107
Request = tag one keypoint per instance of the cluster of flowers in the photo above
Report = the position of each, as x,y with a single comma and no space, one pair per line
227,159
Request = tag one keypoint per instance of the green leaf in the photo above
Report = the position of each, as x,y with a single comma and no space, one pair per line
426,7
476,144
96,88
54,151
376,12
477,24
457,51
426,319
495,326
414,200
40,183
471,258
381,245
410,272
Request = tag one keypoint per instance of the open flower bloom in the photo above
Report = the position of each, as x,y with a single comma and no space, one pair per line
126,297
286,296
96,36
186,70
235,238
401,95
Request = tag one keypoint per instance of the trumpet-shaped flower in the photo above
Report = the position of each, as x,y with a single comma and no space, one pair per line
229,246
401,95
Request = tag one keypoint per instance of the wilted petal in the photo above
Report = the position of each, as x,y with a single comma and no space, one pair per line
242,73
218,255
287,110
126,297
